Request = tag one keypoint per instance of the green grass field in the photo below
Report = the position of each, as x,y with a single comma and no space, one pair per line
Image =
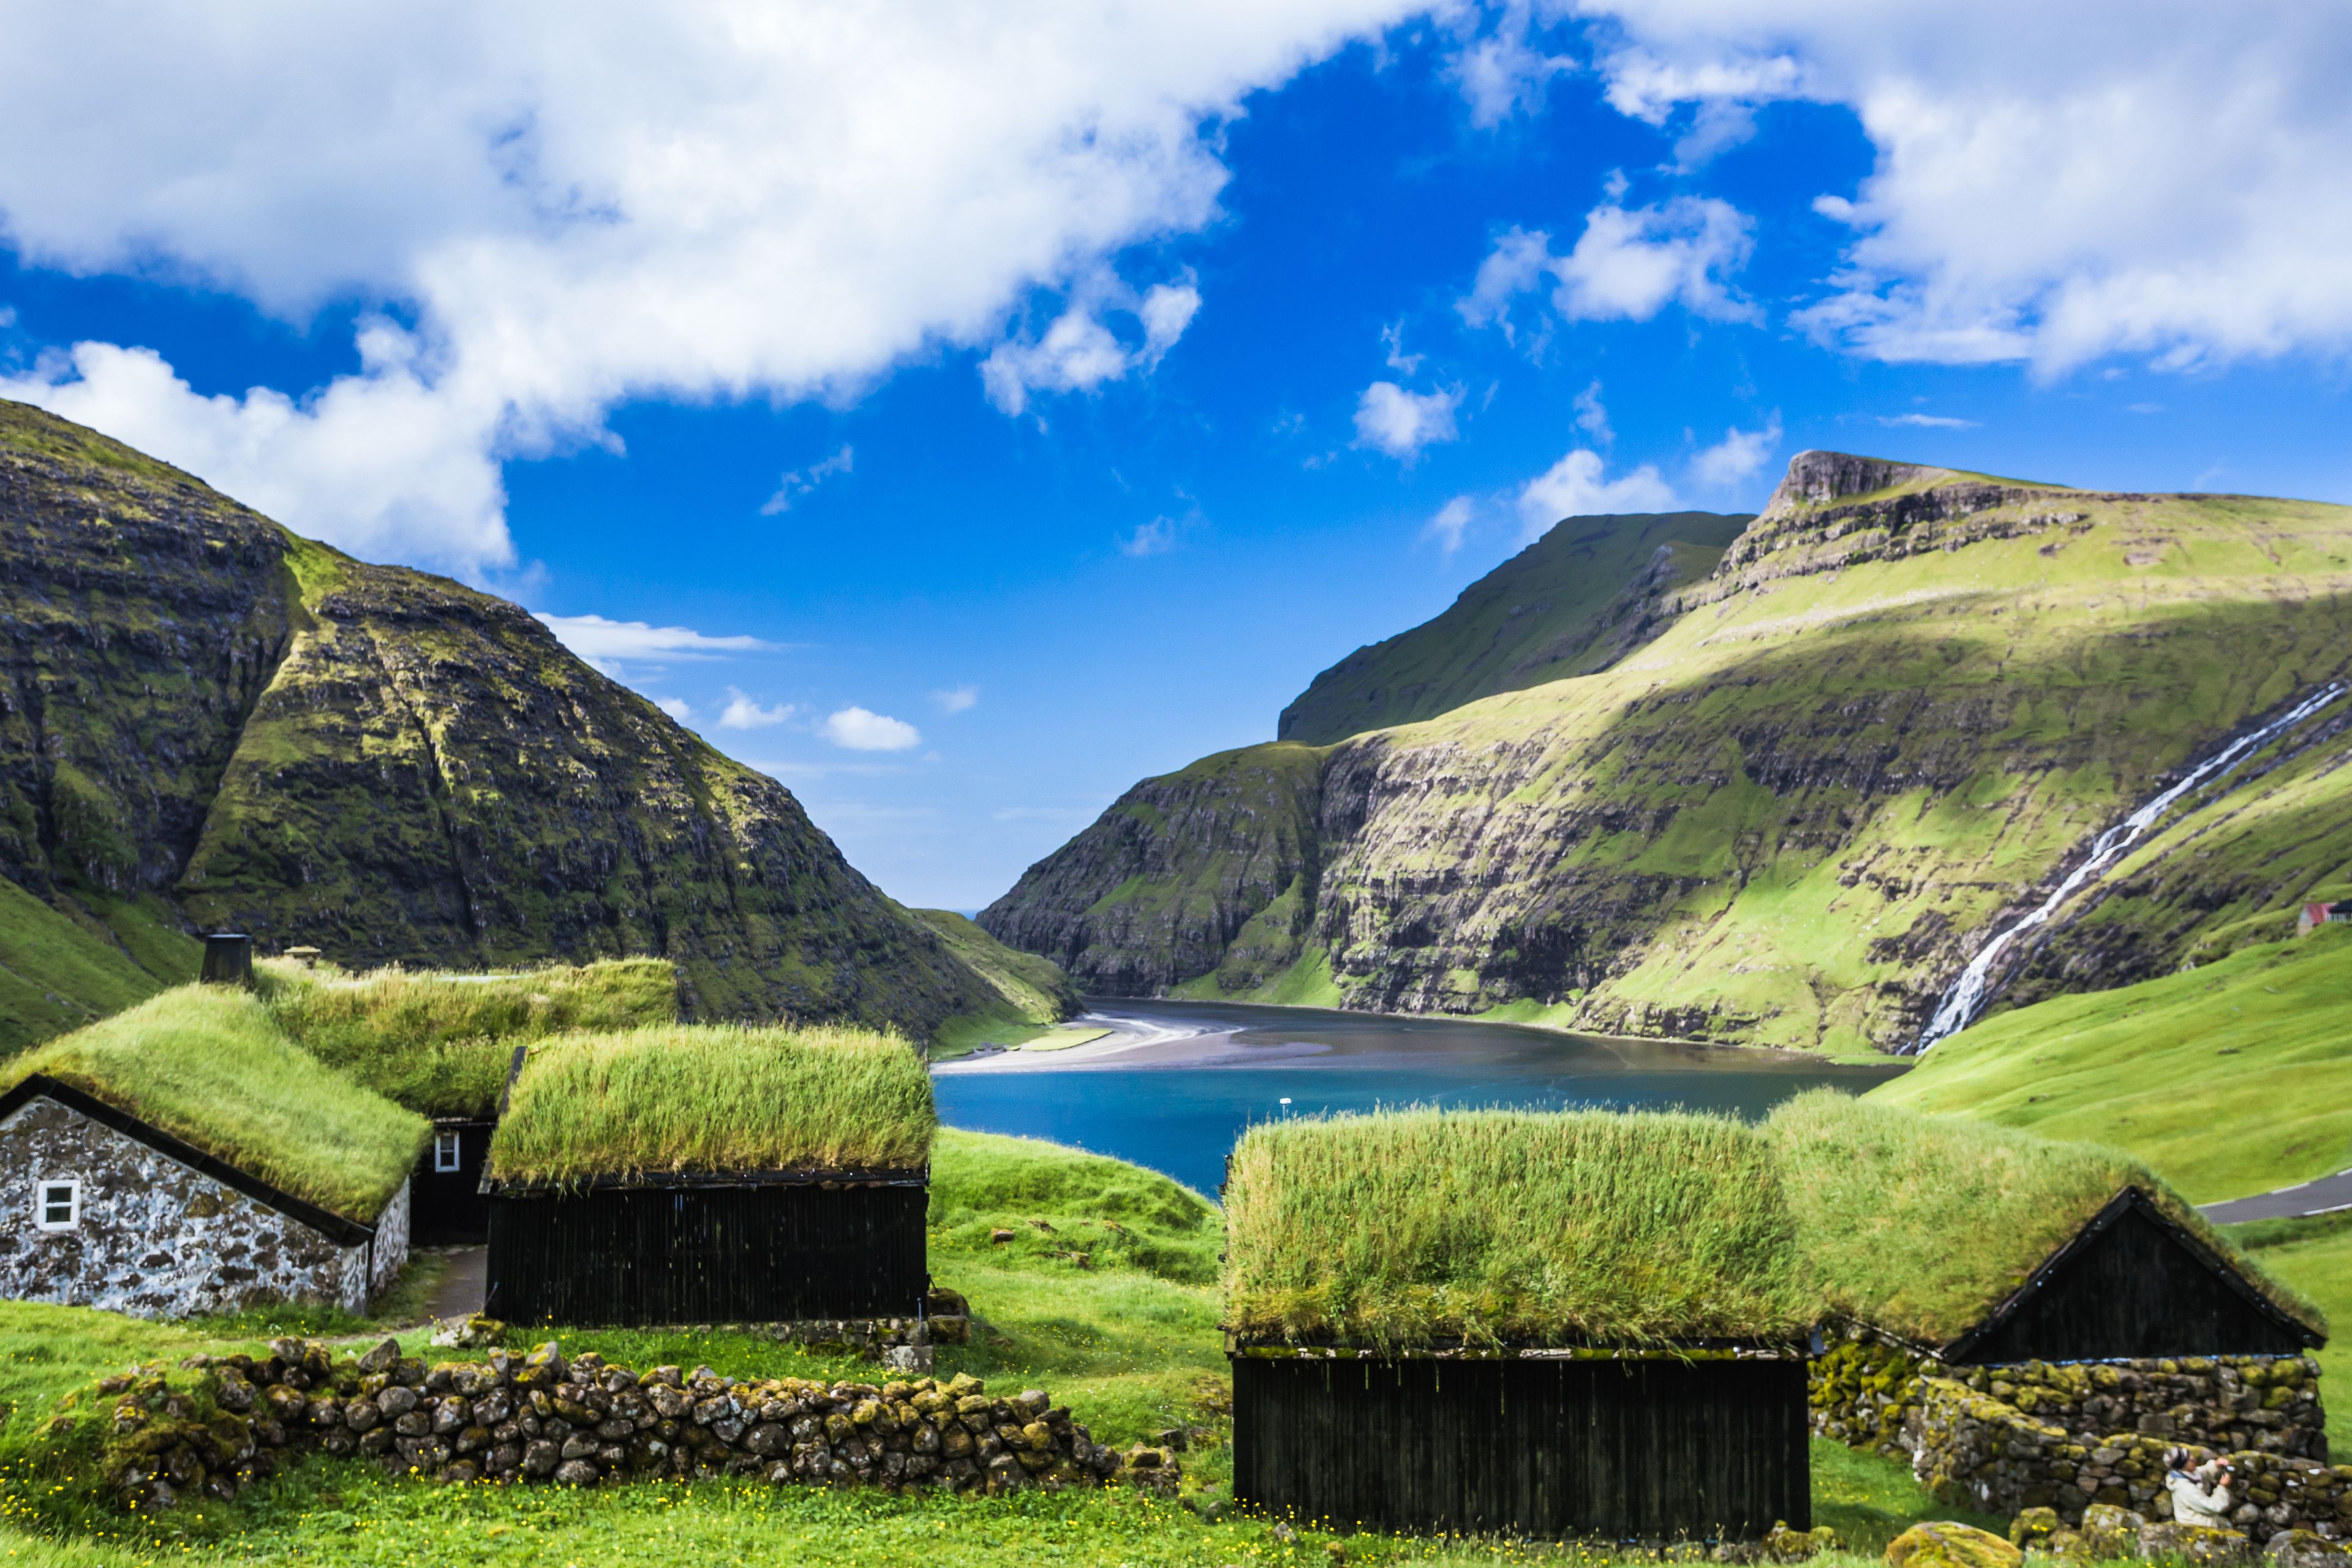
1129,1340
2229,1078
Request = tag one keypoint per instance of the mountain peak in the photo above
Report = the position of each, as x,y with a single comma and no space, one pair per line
1816,478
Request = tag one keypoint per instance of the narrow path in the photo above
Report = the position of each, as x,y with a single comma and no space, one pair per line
459,1291
2322,1196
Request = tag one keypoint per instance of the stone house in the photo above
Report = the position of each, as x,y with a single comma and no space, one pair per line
105,1209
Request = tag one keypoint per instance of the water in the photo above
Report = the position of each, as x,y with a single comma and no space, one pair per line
1966,995
1181,1118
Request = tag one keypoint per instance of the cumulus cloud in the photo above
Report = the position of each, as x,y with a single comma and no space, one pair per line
742,713
1576,486
600,641
798,482
956,699
1928,421
575,205
1156,537
1079,351
1401,423
1738,457
1629,264
1501,71
2052,184
1447,526
858,730
677,708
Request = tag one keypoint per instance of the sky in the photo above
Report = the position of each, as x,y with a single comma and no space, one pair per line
960,410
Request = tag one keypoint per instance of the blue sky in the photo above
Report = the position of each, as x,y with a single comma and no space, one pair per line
961,428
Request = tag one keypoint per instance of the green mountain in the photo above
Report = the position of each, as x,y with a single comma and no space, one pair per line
1573,602
209,723
1886,723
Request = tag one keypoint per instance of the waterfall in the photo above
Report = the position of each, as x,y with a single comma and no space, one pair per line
1967,993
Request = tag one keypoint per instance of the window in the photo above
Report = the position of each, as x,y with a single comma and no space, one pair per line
57,1204
444,1151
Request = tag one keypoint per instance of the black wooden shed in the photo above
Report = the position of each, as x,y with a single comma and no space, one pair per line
1984,1245
710,1175
1559,1325
448,1185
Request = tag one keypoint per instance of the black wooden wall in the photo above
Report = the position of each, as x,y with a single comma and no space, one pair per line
701,1254
2133,1290
445,1207
1619,1449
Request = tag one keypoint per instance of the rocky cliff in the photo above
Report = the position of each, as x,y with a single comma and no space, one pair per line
1892,713
1577,600
208,723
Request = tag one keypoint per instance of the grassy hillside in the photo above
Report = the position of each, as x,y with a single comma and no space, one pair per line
1572,602
1901,703
216,725
2231,1079
1032,995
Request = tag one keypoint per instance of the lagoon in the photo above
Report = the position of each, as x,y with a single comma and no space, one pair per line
1178,1081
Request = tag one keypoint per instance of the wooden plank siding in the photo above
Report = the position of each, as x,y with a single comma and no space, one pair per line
1648,1449
771,1253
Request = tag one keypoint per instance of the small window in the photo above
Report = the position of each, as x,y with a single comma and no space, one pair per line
57,1204
444,1151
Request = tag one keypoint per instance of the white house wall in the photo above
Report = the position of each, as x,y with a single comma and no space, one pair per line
158,1238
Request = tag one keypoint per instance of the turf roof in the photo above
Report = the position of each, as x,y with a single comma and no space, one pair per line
442,1043
1424,1227
206,1064
1921,1226
685,1100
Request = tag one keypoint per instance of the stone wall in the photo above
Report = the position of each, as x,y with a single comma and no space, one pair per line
1868,1394
512,1419
1971,1448
157,1238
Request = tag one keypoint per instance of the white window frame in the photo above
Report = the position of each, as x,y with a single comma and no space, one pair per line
448,1150
41,1189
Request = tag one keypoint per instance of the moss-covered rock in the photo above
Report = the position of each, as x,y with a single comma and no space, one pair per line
1950,1546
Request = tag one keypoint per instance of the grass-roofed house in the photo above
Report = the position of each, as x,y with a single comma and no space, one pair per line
186,1156
2069,1276
1554,1324
443,1044
688,1175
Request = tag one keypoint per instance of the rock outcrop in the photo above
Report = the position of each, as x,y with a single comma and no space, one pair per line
205,720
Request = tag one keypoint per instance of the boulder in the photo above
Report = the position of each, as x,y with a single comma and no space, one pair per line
1945,1544
1781,1545
2033,1526
2201,1543
2109,1532
2304,1549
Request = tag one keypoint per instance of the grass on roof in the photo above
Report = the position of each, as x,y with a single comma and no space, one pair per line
1423,1226
441,1044
714,1099
206,1064
1923,1224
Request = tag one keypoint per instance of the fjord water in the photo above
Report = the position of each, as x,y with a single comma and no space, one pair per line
1181,1118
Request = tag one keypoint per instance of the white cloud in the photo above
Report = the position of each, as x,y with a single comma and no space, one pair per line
798,482
858,730
1592,415
742,713
1448,525
1574,487
1078,352
1739,456
577,203
956,699
1401,423
1629,264
2052,182
1156,537
1501,73
677,708
598,640
1928,421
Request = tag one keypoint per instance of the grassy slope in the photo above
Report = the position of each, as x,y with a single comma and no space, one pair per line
443,1044
1132,1348
1033,994
1922,1225
207,1065
1539,617
58,972
713,1098
1423,1226
2234,1077
2315,1256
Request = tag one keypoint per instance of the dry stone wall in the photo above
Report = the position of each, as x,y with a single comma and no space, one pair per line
584,1422
1870,1394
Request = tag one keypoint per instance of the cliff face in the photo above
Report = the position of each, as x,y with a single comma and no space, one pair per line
1887,721
210,721
1575,601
